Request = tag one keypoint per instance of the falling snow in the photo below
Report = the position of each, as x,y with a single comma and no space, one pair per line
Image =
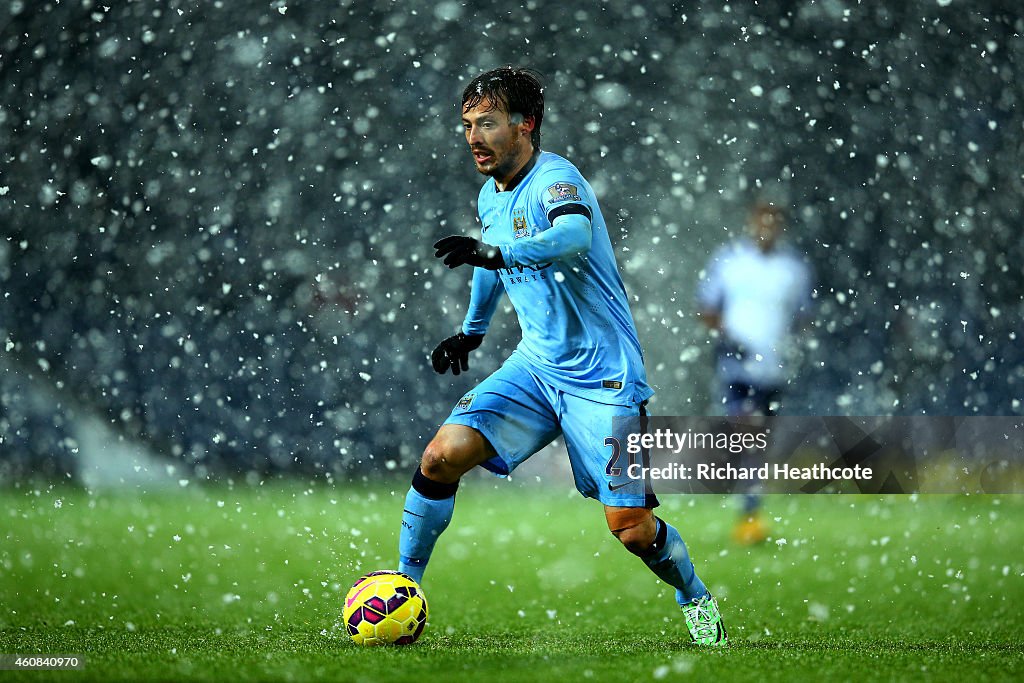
218,219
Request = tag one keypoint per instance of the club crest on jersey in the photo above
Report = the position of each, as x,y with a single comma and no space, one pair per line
563,192
465,402
519,227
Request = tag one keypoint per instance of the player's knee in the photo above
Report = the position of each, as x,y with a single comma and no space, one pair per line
636,528
637,538
437,463
452,452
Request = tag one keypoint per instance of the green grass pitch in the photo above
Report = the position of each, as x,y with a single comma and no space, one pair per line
247,583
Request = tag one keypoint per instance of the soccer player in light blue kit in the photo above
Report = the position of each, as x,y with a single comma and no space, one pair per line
579,365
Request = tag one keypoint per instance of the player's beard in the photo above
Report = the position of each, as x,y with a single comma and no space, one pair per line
503,162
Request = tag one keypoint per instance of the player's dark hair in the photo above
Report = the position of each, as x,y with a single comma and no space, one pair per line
517,90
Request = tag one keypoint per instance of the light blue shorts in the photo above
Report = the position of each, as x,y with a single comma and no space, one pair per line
519,415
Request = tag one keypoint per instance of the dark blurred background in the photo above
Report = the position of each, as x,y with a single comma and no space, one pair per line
217,216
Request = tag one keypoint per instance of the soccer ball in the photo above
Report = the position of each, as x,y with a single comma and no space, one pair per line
385,608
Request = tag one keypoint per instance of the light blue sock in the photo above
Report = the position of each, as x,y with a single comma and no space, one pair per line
423,520
670,560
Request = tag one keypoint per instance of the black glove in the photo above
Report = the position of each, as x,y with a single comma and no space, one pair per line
453,353
458,250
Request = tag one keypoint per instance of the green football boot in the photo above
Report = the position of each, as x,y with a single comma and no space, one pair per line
705,622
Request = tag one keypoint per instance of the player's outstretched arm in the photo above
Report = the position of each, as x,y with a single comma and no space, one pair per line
570,235
712,319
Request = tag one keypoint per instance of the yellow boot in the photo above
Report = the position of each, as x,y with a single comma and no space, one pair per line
750,529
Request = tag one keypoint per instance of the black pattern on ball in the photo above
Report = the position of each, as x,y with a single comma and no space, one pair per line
396,601
421,621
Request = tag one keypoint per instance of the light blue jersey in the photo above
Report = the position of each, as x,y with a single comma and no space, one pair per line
563,281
